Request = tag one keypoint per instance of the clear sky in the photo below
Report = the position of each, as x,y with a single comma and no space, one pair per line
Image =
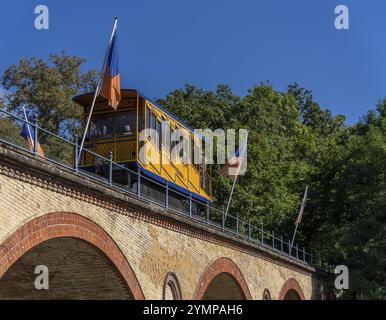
164,44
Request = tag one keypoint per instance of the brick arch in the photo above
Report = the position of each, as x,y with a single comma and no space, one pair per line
221,265
291,284
266,294
63,224
172,281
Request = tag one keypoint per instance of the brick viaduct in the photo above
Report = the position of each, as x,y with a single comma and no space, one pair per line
99,243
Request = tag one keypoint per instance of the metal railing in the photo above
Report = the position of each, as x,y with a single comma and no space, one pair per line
63,153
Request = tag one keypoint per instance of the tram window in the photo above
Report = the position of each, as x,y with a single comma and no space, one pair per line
173,143
153,124
125,122
165,141
159,137
184,152
205,182
101,125
192,150
204,178
153,121
197,163
196,155
165,134
181,145
148,115
140,120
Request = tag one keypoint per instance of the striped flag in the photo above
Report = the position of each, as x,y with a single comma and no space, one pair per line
111,83
28,134
301,212
232,168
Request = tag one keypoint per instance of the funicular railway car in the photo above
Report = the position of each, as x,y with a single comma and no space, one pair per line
118,132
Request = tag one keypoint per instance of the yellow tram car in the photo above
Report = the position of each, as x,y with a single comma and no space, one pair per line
119,131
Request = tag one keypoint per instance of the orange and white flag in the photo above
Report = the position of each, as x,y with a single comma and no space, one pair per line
111,83
233,167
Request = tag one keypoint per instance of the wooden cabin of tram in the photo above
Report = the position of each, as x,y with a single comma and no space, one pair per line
118,132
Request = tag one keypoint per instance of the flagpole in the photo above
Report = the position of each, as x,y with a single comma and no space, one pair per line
230,198
28,128
240,154
293,238
297,220
96,91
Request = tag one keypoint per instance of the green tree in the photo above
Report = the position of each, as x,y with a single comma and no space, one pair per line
46,89
360,203
9,131
283,150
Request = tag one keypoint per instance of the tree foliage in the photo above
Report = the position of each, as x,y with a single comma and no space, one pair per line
46,89
294,142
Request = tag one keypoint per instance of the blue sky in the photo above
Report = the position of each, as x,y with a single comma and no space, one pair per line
165,44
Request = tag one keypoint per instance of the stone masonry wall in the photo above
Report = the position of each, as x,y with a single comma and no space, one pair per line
153,244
